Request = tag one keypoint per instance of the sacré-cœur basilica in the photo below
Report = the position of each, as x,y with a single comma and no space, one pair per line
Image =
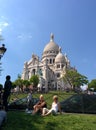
51,68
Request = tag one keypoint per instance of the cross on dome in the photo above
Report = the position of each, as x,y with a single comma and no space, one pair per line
51,37
59,49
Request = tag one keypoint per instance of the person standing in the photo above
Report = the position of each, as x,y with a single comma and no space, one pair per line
29,100
7,91
1,97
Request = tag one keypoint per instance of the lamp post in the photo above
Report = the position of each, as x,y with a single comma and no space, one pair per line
2,50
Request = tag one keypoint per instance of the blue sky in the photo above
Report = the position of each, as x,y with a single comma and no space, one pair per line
26,26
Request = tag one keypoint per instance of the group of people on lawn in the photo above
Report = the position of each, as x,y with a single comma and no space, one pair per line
41,106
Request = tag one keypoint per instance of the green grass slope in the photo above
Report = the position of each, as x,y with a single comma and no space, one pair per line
23,121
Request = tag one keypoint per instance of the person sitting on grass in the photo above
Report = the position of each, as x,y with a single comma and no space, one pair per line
39,106
54,109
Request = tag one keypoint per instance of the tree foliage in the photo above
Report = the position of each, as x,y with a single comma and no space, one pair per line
19,82
1,86
74,78
34,80
92,84
26,83
19,76
13,84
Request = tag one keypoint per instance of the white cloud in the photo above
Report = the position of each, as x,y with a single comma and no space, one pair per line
24,36
3,17
3,25
20,36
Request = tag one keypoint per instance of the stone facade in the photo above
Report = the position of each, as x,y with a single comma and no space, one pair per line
50,68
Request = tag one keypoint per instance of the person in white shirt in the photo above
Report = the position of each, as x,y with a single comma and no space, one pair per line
29,100
54,109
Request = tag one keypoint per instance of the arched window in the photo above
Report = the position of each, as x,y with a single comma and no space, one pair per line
58,75
62,66
34,71
40,72
47,61
50,61
53,60
58,66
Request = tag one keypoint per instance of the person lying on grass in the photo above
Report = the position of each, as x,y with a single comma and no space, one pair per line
39,106
54,109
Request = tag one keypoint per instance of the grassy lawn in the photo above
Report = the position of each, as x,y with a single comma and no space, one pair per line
22,121
48,97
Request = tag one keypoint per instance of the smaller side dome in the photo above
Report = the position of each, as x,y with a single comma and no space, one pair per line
60,57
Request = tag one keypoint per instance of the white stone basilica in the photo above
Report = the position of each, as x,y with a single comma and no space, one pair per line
50,68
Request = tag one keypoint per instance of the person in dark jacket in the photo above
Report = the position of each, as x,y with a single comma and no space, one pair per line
1,97
7,91
39,106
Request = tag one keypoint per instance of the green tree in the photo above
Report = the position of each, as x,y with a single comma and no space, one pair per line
19,82
34,80
26,83
13,85
92,84
19,76
1,86
74,78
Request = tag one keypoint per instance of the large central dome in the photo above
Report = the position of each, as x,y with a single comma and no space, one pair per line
51,46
